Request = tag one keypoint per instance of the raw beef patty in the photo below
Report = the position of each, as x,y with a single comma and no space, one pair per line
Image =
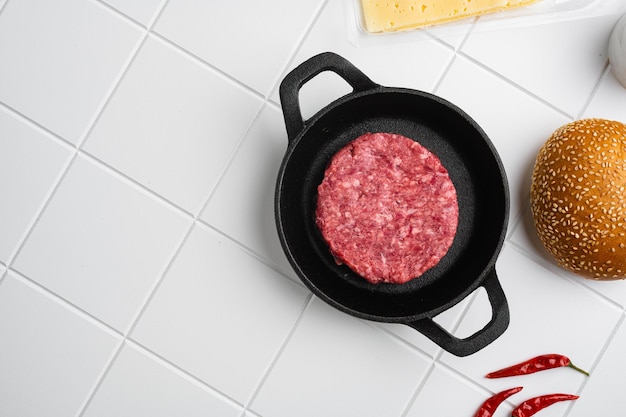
387,208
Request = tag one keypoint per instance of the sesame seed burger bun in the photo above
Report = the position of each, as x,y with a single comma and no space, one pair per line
578,198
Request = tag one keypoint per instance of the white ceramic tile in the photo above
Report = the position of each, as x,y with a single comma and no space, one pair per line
139,385
420,69
173,124
602,392
57,68
335,364
560,63
50,358
249,40
609,101
101,244
142,11
31,161
220,314
243,204
549,314
504,114
613,290
445,394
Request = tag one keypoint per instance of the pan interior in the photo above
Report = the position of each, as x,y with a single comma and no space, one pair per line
473,168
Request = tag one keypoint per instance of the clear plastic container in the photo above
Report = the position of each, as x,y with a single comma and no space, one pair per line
541,12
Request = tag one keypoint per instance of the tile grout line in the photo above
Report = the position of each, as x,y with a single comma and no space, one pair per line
561,273
466,379
517,86
205,64
310,296
196,221
305,306
240,245
111,93
598,359
298,45
40,211
194,218
229,161
416,350
3,6
127,332
159,282
123,340
77,148
122,15
436,362
115,85
444,73
420,387
183,373
55,184
51,135
3,276
46,292
149,28
157,15
267,102
112,170
431,360
606,346
455,52
121,176
518,222
111,9
606,69
250,252
100,379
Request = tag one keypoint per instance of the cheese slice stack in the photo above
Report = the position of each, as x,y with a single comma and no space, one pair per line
390,16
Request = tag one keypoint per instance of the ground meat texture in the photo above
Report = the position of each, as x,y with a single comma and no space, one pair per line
387,208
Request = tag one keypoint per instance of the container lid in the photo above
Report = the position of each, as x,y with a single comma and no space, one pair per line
537,13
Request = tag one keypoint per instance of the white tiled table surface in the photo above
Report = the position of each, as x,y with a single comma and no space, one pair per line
140,271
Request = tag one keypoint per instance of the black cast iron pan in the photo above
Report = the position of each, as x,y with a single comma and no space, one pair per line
473,165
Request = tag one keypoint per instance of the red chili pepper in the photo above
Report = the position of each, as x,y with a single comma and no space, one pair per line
534,405
536,364
489,406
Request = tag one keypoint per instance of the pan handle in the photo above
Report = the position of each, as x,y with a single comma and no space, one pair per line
492,330
293,82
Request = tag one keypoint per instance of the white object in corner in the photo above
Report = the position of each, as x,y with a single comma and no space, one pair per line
617,50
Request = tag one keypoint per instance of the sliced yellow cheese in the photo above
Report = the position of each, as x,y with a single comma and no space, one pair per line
389,16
